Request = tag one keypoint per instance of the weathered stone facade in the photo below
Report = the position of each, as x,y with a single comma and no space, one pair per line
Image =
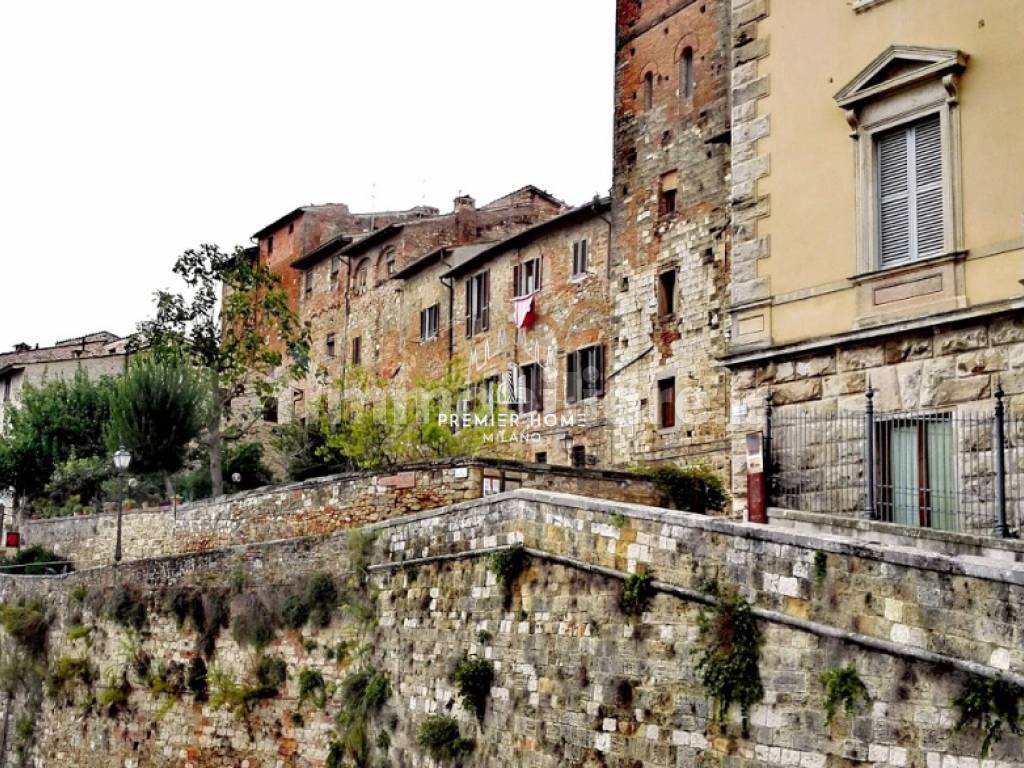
577,682
671,219
315,508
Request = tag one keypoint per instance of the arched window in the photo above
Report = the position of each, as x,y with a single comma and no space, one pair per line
359,282
648,90
686,74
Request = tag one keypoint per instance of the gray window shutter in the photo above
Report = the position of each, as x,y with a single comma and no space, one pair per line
894,198
469,307
928,177
911,222
571,366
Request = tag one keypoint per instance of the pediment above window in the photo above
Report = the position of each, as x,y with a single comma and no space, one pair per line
896,68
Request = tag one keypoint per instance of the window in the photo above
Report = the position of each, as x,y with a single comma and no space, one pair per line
488,390
580,257
916,471
584,374
428,322
270,244
7,390
357,350
330,345
389,261
270,410
649,91
579,456
478,289
291,227
910,184
686,74
526,278
335,270
308,276
541,458
667,194
360,277
667,293
667,402
903,110
531,388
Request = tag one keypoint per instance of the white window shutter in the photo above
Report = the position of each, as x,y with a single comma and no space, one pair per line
894,198
928,177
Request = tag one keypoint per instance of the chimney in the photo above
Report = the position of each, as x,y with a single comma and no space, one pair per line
21,347
464,203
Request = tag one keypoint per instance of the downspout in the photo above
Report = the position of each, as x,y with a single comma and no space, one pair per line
450,285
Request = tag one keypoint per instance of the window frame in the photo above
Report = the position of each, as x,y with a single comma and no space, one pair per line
535,393
667,408
356,357
521,275
873,107
433,311
307,282
330,345
580,258
667,295
577,388
477,309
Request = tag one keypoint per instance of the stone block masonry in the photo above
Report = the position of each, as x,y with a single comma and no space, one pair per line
315,508
577,683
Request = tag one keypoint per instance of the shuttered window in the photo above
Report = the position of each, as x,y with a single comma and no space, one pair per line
580,257
477,303
911,223
584,374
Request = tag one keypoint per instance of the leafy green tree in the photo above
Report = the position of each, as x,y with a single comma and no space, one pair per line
156,411
57,421
238,342
372,429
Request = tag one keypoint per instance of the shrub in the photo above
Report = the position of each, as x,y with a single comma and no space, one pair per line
311,685
168,680
252,621
474,676
295,612
507,565
321,598
271,672
35,561
78,632
25,728
439,736
126,607
364,694
197,679
693,489
843,686
729,658
113,697
67,673
78,593
207,612
636,593
28,624
992,706
238,698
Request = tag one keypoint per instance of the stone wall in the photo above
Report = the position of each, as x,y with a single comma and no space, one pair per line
313,508
940,368
577,682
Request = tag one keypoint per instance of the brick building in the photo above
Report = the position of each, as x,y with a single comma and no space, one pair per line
670,249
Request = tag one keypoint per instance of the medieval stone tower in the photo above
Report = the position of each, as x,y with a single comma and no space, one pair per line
671,251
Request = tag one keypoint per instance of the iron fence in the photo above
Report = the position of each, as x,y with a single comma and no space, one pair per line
955,469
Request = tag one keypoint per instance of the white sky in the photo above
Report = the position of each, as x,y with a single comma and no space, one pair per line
130,131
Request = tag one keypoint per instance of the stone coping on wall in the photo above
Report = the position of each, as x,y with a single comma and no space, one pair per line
485,463
954,543
951,563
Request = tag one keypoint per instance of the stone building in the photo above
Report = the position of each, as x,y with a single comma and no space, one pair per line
96,354
670,252
877,241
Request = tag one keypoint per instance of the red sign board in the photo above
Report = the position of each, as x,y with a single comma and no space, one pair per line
13,539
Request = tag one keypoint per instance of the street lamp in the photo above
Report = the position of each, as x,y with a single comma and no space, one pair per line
122,460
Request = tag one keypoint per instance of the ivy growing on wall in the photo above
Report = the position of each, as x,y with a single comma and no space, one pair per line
991,705
728,659
507,565
843,688
474,677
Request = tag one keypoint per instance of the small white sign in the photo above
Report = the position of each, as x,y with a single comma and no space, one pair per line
740,411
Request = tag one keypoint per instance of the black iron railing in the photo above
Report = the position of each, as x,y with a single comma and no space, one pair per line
959,469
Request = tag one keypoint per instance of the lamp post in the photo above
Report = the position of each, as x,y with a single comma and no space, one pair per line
122,460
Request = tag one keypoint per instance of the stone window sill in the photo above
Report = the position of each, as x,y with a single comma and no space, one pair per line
909,266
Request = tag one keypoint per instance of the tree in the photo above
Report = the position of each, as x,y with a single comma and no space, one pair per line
57,421
372,429
156,411
237,342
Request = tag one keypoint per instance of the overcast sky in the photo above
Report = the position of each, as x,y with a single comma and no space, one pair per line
130,131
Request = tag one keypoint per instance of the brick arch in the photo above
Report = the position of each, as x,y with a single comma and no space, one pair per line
689,40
